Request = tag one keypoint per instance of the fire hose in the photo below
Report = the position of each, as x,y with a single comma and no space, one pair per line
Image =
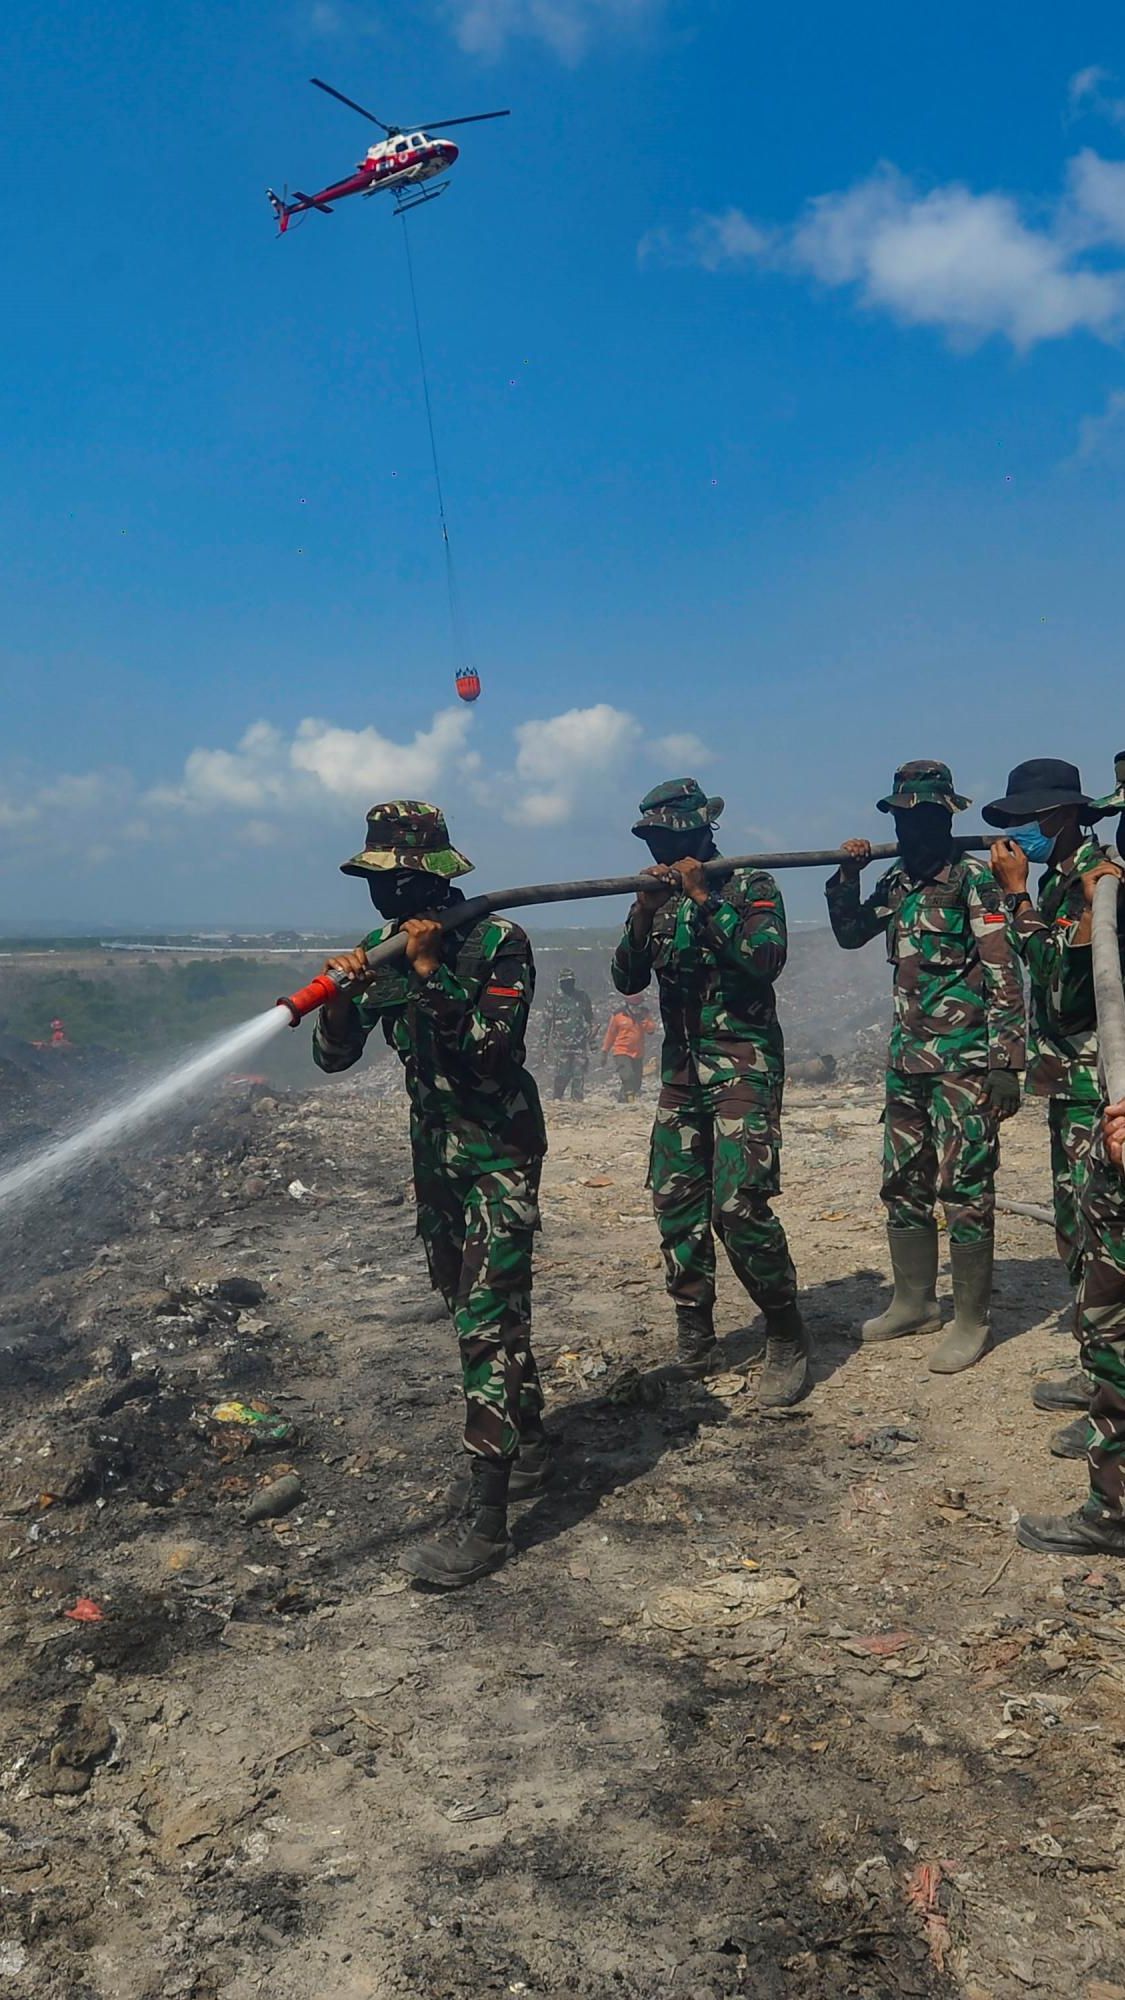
329,986
1109,996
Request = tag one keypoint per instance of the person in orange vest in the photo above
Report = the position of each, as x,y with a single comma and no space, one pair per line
625,1042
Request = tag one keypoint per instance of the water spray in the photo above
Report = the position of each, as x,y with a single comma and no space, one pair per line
128,1114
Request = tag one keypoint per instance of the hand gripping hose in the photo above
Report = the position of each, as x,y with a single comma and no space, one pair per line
328,986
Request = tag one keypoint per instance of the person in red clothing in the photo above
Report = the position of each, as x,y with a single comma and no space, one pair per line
625,1042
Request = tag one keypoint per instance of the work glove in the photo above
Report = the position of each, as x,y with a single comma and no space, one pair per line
1002,1092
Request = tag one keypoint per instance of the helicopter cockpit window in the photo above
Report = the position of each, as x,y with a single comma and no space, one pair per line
401,145
418,139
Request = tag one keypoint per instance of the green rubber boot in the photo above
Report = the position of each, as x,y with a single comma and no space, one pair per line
970,1333
914,1307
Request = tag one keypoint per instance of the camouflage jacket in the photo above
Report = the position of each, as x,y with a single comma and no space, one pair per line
715,966
1063,1037
958,997
569,1022
460,1038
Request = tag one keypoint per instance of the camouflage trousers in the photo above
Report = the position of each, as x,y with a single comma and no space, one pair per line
477,1230
1072,1126
940,1142
570,1072
715,1164
1101,1322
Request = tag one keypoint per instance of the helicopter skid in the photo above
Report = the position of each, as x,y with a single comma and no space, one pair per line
403,206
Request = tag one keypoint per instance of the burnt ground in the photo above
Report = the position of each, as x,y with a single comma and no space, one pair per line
765,1706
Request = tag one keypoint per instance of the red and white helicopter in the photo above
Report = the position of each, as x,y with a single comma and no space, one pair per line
400,163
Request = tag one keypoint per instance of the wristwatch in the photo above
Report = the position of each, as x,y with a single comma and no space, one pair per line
1012,903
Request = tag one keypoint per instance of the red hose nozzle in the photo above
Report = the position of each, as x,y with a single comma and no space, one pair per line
325,987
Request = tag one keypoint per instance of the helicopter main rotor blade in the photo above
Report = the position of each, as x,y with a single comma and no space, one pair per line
351,103
443,124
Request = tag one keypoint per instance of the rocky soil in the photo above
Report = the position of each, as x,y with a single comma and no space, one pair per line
765,1706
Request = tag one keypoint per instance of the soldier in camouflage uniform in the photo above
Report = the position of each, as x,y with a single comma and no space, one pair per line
1046,816
456,1014
1098,1526
568,1032
716,945
957,1044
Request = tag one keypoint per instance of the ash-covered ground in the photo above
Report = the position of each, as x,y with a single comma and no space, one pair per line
765,1706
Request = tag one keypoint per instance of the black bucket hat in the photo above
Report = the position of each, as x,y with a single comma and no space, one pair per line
1038,786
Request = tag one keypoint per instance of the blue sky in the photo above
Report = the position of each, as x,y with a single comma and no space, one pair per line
777,371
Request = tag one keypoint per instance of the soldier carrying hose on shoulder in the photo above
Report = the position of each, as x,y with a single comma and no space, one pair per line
1046,817
716,944
957,1046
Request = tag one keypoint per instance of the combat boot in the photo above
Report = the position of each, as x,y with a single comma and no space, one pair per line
1092,1531
1072,1440
697,1350
785,1376
914,1307
1072,1393
970,1333
476,1540
534,1468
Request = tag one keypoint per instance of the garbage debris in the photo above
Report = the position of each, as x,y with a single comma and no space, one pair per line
259,1424
889,1441
85,1612
85,1739
279,1497
720,1600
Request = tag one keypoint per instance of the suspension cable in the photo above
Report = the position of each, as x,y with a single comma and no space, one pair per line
456,615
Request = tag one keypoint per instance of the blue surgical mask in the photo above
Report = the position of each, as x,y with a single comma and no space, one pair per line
1037,845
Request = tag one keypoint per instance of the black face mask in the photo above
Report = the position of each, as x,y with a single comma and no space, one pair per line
566,985
925,840
406,892
667,847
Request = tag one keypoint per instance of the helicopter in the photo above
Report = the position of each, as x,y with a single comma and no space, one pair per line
400,163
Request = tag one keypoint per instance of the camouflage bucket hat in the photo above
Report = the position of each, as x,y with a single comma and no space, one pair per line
680,805
407,833
924,782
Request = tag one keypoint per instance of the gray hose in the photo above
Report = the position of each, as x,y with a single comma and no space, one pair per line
1028,1208
1109,997
461,914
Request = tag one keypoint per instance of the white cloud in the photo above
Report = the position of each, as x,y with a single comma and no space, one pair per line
320,761
710,241
1087,93
16,813
556,767
1097,197
683,748
360,763
485,27
559,758
1099,434
973,265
